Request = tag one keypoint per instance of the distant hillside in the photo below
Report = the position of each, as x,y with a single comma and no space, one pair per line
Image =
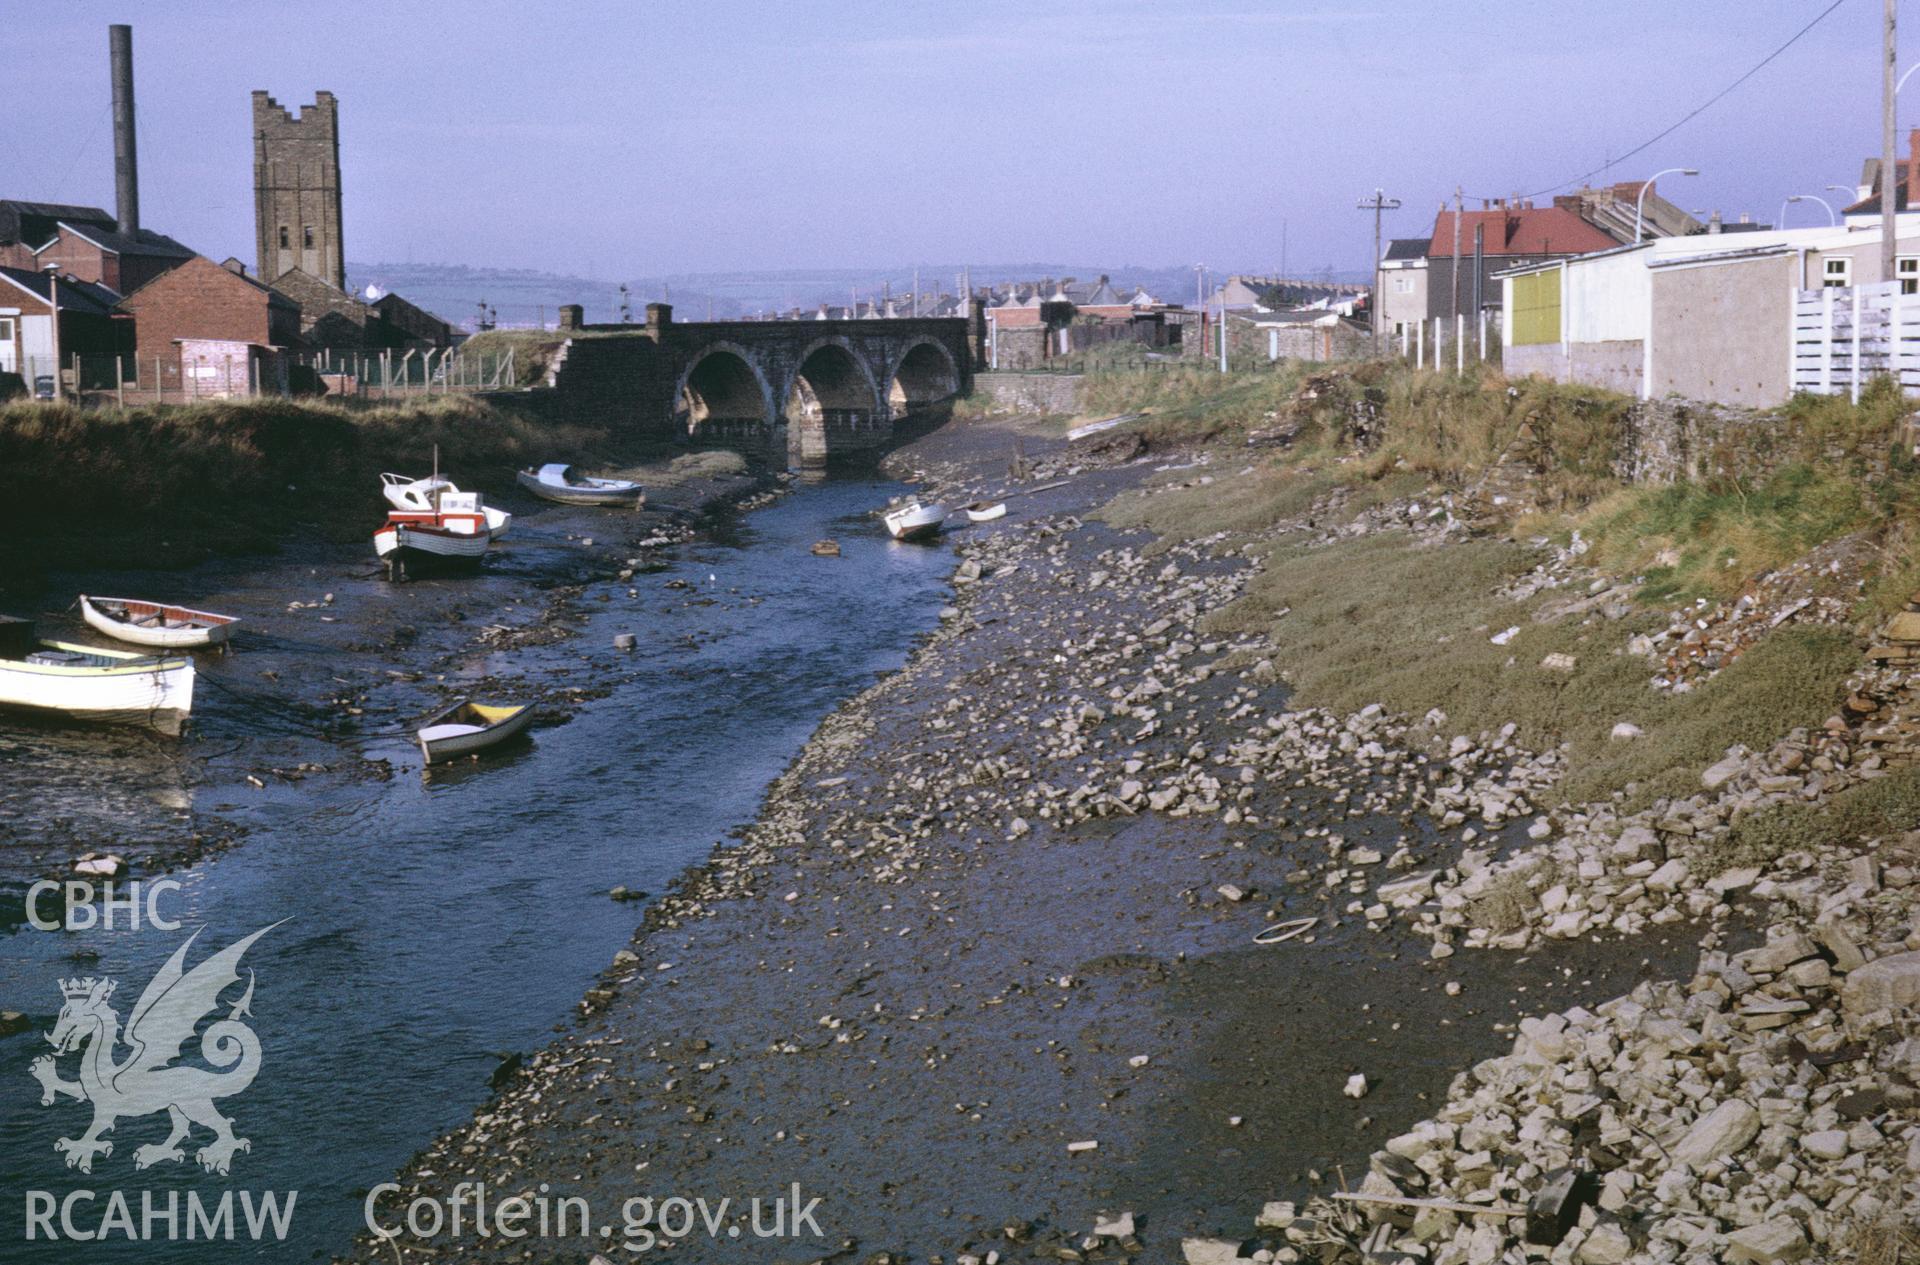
523,297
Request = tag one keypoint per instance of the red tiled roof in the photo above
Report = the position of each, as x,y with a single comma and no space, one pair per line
1547,230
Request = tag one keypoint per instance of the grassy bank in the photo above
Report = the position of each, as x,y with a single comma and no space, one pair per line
162,486
1377,619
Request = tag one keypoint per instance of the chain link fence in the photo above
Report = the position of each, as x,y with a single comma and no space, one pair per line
245,371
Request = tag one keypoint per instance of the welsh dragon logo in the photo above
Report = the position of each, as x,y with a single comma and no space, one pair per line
163,1020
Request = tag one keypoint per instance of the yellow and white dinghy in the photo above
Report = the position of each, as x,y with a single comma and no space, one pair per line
90,683
467,727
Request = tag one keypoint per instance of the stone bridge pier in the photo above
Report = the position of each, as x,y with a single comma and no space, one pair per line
793,392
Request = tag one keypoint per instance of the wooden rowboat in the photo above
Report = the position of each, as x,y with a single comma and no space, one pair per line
557,481
986,511
916,521
91,683
466,727
155,624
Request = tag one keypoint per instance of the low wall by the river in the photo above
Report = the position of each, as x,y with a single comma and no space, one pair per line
1030,392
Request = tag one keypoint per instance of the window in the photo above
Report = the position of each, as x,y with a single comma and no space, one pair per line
6,329
1403,285
284,242
307,233
1837,271
1907,269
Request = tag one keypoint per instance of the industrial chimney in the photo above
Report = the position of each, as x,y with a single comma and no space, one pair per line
126,160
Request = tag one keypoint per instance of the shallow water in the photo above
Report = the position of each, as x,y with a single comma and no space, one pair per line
433,924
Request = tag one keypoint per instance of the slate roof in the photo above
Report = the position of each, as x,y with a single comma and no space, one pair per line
75,295
34,222
145,242
1406,248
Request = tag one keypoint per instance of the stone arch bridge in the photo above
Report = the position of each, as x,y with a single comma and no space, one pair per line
795,391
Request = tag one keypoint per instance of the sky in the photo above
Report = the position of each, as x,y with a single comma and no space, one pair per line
615,140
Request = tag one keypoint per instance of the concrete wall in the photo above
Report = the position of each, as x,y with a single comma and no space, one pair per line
1720,331
1616,366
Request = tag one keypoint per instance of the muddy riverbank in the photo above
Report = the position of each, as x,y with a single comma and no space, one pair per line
332,665
985,967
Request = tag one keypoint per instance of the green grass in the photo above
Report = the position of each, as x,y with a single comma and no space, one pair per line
1886,805
1717,534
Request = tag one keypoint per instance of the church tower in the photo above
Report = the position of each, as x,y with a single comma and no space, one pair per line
296,189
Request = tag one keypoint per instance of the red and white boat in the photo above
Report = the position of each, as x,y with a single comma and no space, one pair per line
452,537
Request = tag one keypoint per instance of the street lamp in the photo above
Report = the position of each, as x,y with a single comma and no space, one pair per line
1806,197
1639,203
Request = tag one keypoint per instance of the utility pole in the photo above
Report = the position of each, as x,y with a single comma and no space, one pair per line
1378,203
53,309
1458,205
1888,160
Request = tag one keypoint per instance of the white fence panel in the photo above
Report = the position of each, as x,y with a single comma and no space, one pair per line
1845,336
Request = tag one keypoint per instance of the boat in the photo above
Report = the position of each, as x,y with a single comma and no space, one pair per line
91,683
156,624
915,521
827,548
421,496
466,727
986,511
453,538
558,482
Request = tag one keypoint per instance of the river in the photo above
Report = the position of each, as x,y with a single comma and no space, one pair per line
421,928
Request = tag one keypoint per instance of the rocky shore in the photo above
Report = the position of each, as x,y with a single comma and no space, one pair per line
1077,940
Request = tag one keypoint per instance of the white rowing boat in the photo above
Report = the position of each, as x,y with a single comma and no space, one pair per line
91,683
986,511
155,624
422,496
467,727
557,481
915,521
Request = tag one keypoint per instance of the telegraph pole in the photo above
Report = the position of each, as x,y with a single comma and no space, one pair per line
1888,160
1378,203
1459,205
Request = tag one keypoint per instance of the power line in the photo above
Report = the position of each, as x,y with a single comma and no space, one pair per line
1697,111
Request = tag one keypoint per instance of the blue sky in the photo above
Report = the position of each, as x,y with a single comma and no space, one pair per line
627,139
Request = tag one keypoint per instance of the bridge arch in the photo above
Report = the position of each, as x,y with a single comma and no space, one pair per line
831,402
723,396
923,373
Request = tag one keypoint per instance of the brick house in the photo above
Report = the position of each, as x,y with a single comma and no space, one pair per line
25,225
1503,236
119,261
202,300
90,327
332,318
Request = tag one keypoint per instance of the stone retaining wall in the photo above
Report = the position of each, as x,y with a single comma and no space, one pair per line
1672,439
1030,392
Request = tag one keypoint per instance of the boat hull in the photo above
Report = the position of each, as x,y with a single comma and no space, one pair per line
983,513
633,497
439,748
215,631
153,693
422,549
916,522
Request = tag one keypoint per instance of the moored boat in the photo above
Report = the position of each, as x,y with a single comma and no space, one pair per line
915,520
466,727
557,481
91,683
826,548
986,511
422,496
156,624
453,538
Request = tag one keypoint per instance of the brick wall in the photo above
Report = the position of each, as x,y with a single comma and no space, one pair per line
296,182
200,299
